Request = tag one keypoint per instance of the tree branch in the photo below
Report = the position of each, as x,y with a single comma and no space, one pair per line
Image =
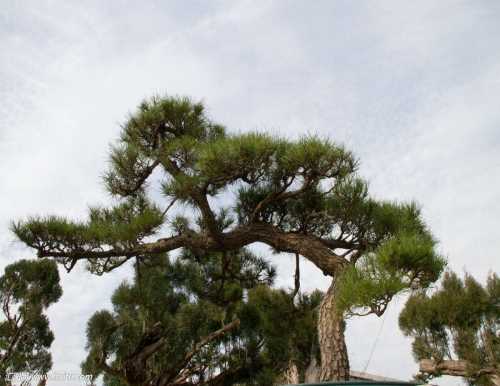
144,175
311,247
207,213
296,277
179,374
460,368
209,338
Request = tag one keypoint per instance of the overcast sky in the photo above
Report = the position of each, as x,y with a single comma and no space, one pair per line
413,88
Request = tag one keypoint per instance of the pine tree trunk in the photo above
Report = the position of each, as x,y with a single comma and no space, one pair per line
331,328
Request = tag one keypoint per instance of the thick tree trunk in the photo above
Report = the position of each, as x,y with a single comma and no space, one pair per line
331,328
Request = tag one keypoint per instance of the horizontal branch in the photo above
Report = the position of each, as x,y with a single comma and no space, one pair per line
318,251
459,368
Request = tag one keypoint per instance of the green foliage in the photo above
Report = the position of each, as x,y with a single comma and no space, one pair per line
162,128
308,186
126,223
27,289
184,300
196,154
121,227
289,328
250,155
460,320
301,196
404,260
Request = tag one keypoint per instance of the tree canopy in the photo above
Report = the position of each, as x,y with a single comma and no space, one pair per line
27,289
299,196
456,329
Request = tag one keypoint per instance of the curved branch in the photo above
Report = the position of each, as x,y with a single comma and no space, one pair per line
140,180
199,197
311,247
279,194
209,338
143,177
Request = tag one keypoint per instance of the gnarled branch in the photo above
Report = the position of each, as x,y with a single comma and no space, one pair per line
460,368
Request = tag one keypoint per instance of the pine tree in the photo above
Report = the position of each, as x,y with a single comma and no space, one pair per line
456,329
200,320
302,197
27,289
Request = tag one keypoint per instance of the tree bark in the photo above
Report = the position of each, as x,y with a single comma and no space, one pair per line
313,372
318,251
290,375
459,368
331,328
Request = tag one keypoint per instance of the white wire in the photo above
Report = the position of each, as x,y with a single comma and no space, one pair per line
376,340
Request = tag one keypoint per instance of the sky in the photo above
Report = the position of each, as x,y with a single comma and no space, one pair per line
412,88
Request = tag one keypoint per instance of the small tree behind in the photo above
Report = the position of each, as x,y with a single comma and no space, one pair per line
201,320
27,289
456,330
